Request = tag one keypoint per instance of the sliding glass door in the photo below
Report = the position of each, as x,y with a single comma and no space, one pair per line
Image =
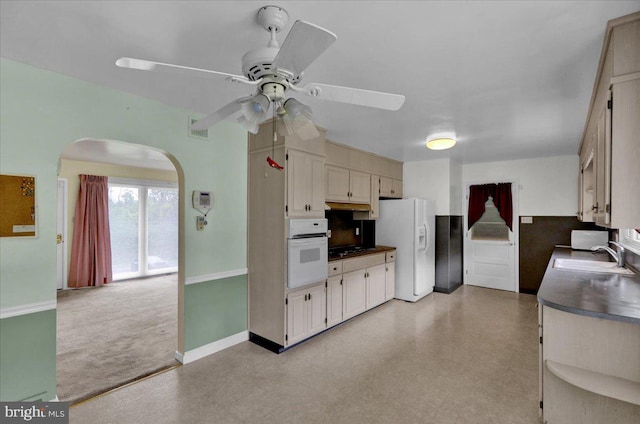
143,217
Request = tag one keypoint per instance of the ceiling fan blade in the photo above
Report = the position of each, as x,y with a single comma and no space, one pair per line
147,65
354,96
219,115
304,43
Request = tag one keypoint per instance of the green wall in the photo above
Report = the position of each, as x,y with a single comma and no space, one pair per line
228,296
42,112
28,356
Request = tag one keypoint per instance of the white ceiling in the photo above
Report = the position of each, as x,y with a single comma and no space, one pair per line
512,79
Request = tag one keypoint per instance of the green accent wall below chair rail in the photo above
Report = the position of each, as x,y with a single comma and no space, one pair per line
28,356
227,298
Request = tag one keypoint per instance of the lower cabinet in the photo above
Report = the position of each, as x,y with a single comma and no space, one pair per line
334,300
356,285
306,313
354,293
376,285
390,281
366,282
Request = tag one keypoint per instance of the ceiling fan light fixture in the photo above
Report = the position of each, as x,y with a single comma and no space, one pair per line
293,107
440,143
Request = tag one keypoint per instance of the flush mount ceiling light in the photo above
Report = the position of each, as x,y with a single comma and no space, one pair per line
440,143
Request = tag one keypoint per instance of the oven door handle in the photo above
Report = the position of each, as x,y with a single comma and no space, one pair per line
307,240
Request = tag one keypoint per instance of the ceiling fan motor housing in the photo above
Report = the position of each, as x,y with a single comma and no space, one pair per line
258,63
273,18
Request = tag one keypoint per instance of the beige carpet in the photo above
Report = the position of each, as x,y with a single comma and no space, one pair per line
114,334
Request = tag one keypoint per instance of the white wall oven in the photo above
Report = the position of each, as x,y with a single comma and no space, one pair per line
307,247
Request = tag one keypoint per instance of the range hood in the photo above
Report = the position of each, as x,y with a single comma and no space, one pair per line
335,206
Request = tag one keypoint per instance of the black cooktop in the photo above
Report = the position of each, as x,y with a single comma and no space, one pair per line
338,252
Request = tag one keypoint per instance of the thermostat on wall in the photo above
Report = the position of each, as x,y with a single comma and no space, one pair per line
202,201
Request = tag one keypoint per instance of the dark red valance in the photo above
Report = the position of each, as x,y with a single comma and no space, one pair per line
501,193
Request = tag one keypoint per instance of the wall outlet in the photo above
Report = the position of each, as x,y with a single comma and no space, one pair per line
526,220
357,231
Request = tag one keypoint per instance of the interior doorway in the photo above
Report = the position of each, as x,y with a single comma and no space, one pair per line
116,333
491,235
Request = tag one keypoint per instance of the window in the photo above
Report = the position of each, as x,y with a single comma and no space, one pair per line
490,226
143,216
630,238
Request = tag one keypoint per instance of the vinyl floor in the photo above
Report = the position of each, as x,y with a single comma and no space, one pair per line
467,357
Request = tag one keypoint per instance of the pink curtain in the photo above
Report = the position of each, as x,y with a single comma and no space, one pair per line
91,244
478,196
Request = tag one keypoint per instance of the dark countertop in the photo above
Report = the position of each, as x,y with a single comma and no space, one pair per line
371,251
600,295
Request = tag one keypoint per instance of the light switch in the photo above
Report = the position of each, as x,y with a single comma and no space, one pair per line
526,220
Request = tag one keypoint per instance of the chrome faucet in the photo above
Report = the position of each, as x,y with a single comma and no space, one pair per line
618,256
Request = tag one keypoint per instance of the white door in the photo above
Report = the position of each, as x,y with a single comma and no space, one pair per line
61,235
490,256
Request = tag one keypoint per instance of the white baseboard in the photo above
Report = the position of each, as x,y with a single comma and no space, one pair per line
31,308
211,348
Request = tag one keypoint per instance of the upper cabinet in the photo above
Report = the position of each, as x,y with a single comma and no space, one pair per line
305,184
346,185
298,190
390,188
356,176
610,149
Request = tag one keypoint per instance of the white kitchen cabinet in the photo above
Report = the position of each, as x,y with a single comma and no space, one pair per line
390,280
589,368
354,293
610,150
337,184
359,187
376,285
305,185
306,313
374,212
334,300
345,185
358,284
390,188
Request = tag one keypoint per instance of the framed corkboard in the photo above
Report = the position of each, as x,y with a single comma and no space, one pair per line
17,206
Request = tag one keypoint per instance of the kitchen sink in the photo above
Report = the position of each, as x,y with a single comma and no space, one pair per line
591,266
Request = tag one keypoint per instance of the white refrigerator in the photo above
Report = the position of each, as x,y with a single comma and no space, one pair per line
409,226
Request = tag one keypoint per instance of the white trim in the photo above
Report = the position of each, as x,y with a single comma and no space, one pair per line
30,308
145,183
211,348
65,232
215,276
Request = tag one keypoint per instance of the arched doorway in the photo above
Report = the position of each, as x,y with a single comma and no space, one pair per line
128,329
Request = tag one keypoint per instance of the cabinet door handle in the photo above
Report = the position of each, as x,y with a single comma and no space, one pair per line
309,296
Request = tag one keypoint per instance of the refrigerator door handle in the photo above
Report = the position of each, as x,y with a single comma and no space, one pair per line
426,236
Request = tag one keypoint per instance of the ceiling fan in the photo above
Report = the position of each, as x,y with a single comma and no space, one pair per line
276,70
